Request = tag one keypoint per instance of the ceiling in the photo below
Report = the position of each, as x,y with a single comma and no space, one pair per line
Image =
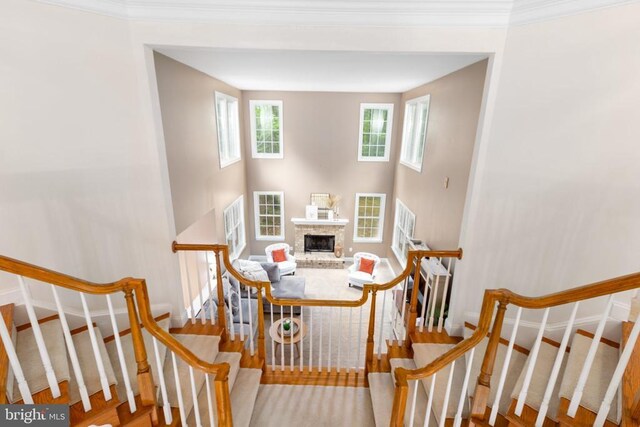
325,71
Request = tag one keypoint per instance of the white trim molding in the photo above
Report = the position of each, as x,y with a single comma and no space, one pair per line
530,11
380,218
256,216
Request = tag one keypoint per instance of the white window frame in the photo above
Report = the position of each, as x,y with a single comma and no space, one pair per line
414,144
254,137
387,143
256,212
229,150
406,234
235,251
380,218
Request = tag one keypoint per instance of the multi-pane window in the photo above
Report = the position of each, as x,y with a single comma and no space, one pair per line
234,227
228,129
403,225
376,121
414,132
266,129
269,215
369,220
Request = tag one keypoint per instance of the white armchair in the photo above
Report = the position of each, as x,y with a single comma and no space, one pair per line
359,278
286,267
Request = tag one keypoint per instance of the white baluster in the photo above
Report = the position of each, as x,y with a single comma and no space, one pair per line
15,363
321,310
444,295
301,355
194,397
203,315
359,339
176,378
427,414
605,406
123,364
210,287
433,303
104,382
339,358
310,338
447,394
232,327
544,406
37,334
185,262
251,336
291,339
533,357
403,306
381,335
330,339
166,406
463,393
348,364
505,369
426,301
73,354
412,416
209,400
273,344
591,355
240,308
282,346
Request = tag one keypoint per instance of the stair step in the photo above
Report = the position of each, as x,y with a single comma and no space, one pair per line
233,359
29,357
243,395
600,374
129,356
89,365
544,365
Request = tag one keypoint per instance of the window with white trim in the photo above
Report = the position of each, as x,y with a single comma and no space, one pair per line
266,129
414,132
403,226
228,129
376,121
234,227
369,217
268,207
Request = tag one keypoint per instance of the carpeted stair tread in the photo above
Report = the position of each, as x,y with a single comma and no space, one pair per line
516,364
600,374
243,396
382,390
129,356
233,359
205,347
423,354
31,363
541,374
89,365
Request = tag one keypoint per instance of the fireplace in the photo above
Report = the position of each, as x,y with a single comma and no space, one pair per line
319,243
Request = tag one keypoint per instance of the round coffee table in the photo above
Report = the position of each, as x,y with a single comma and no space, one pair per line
288,340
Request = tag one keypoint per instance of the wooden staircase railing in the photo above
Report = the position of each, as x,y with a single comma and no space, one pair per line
139,312
490,323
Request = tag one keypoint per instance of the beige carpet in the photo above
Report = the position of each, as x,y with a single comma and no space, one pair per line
342,325
288,405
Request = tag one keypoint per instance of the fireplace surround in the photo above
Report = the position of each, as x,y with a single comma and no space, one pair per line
319,243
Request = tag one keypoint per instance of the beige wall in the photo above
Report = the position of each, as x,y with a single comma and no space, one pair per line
321,155
453,120
198,184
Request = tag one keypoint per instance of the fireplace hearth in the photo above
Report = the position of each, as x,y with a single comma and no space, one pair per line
319,243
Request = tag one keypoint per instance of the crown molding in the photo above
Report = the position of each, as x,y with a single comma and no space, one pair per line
530,11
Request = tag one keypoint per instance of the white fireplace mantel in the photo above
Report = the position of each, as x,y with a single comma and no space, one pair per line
334,222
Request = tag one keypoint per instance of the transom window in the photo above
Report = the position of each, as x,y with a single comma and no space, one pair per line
403,226
266,129
234,227
369,219
228,129
414,132
376,121
269,215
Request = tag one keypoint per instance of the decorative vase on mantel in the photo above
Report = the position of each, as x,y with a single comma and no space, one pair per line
330,215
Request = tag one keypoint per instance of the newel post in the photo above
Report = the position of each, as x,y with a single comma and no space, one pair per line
222,317
413,305
483,386
372,325
223,398
146,387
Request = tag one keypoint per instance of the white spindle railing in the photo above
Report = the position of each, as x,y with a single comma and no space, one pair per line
586,368
104,382
209,400
123,364
321,310
457,421
414,400
310,337
176,378
348,363
15,363
505,369
203,314
166,406
273,343
73,354
447,395
445,293
37,334
426,300
380,332
359,340
211,290
291,340
185,264
251,338
239,308
339,358
194,397
403,310
533,357
432,387
282,346
330,339
433,301
557,364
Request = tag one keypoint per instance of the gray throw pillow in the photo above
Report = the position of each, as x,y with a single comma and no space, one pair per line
273,271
